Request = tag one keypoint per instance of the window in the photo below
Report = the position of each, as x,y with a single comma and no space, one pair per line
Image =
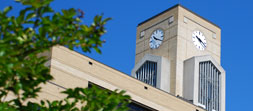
135,106
209,86
147,73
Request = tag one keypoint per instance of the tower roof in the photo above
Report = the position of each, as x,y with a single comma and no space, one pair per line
177,5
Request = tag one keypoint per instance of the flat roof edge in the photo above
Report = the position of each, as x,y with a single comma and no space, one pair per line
159,14
177,5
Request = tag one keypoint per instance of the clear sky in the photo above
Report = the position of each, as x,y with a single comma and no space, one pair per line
235,17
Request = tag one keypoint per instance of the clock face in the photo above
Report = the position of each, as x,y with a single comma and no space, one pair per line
156,39
199,40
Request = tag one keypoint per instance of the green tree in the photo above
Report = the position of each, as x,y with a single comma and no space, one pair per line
36,29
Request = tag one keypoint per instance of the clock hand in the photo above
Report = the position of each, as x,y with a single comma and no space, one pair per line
203,44
201,41
157,39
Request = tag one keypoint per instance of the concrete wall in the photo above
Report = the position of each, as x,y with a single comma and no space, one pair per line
177,45
163,70
185,47
72,69
168,47
188,84
191,79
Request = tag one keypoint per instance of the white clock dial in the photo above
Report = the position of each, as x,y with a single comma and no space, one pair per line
156,39
199,40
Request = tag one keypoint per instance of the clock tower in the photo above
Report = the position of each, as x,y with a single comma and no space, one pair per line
173,46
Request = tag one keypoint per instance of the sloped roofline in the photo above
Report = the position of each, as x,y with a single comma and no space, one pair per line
177,5
73,51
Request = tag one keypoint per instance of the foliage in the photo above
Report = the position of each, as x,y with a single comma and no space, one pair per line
36,29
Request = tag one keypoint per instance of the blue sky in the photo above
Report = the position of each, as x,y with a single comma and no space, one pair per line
235,17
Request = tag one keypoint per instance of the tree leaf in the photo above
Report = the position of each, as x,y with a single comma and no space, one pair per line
30,15
7,9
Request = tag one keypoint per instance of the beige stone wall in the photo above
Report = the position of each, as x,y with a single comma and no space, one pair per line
185,47
185,30
168,48
72,69
170,32
177,45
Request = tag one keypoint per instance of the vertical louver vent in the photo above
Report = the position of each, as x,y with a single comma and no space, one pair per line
147,73
209,86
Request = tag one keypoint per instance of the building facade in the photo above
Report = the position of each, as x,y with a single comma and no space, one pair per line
71,69
190,47
177,66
